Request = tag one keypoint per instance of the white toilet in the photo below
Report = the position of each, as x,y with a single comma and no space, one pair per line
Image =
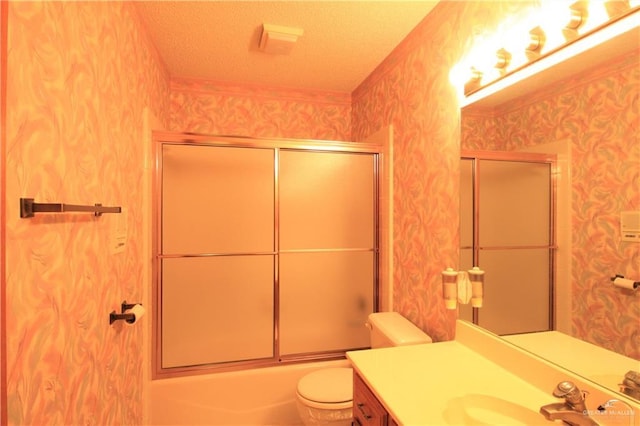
325,397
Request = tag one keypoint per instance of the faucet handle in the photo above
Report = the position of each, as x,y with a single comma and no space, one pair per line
570,392
564,388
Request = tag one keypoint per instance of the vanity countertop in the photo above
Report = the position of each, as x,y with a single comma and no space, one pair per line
422,384
602,365
463,381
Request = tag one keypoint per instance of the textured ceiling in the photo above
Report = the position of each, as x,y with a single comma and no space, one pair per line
343,41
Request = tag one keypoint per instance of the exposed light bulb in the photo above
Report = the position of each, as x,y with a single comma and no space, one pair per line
616,8
556,16
531,33
503,60
597,16
474,82
537,41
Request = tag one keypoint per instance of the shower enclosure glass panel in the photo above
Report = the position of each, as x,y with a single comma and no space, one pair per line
328,252
325,298
514,203
267,252
326,200
217,199
507,229
516,300
217,254
216,309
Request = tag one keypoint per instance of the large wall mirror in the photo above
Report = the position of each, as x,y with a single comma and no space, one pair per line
584,111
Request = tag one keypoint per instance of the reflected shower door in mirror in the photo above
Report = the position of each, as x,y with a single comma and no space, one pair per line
265,253
507,228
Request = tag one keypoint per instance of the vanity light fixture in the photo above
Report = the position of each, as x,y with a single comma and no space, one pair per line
537,40
503,60
616,7
578,15
559,24
474,82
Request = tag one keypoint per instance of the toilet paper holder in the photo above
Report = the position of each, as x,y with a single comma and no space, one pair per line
124,315
620,281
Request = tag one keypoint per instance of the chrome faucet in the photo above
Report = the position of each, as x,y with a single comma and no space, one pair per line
631,384
572,411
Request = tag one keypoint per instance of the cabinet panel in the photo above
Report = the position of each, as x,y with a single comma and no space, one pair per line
367,410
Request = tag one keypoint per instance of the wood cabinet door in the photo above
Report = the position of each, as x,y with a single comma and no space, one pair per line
367,410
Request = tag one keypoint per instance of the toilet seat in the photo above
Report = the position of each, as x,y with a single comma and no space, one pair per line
327,387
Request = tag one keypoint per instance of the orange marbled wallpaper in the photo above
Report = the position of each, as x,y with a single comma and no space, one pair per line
219,108
3,150
79,77
412,91
598,110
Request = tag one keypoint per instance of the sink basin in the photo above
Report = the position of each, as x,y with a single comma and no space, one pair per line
478,409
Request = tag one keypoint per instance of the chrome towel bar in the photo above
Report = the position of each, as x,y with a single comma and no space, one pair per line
28,208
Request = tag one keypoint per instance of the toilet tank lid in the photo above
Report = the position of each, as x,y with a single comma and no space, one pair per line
327,385
398,329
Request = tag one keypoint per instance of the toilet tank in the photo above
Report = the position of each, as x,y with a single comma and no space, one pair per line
392,329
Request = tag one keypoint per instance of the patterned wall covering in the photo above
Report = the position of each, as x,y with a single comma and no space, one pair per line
599,111
79,77
242,110
412,91
3,150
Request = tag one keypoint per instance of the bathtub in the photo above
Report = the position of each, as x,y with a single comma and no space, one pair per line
262,396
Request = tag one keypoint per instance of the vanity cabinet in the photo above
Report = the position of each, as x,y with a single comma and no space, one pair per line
367,410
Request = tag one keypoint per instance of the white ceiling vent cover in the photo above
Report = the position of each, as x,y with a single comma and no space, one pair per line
278,40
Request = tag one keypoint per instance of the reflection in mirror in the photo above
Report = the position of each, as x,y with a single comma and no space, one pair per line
589,120
507,228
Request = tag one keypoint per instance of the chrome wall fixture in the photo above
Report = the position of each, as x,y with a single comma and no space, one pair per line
28,208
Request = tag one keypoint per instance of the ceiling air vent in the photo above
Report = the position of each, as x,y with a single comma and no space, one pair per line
278,40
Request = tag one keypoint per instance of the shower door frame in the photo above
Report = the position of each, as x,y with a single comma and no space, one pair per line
381,251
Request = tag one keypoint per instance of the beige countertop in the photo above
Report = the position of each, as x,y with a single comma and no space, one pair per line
603,366
478,378
423,385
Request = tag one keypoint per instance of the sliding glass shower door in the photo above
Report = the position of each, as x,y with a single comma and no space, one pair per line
265,254
507,229
217,254
327,250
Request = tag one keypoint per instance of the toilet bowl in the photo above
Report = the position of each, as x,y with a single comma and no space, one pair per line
325,396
